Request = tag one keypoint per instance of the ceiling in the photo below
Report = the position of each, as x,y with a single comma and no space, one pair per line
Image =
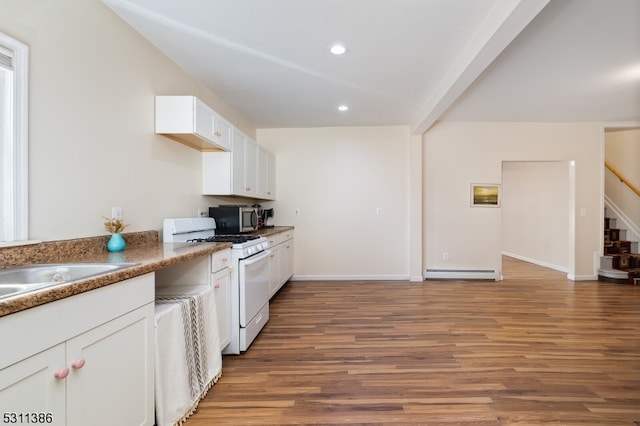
408,62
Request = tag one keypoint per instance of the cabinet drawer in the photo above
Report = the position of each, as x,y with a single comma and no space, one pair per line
286,235
274,240
220,260
279,238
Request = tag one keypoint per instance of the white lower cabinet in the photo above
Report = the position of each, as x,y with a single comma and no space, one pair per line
286,263
221,287
28,388
84,360
281,260
109,369
221,282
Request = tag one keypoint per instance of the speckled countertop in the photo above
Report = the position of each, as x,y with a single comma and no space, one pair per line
267,232
143,248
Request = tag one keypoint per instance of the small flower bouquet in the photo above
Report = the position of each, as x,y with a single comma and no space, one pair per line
114,226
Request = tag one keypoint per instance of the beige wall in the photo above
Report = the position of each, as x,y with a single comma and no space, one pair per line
91,141
535,212
338,177
457,154
92,146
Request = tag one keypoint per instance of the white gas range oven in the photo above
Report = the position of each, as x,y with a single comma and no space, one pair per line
249,275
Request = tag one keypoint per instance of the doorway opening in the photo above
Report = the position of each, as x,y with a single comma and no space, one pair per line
537,213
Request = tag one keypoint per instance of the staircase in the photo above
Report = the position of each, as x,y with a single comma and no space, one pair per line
621,260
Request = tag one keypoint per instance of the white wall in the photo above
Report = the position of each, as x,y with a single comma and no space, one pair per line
535,212
91,141
338,177
457,154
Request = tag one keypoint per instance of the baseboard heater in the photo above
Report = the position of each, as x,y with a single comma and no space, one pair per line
462,274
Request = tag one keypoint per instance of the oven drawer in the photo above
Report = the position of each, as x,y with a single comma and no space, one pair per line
251,331
220,260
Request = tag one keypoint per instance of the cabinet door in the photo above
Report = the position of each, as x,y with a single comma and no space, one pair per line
262,172
204,121
285,270
31,386
112,372
274,265
237,163
271,177
223,132
222,287
288,246
266,174
250,168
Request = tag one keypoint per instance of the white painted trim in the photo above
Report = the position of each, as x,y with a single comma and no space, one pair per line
537,262
507,19
18,205
573,277
350,278
461,274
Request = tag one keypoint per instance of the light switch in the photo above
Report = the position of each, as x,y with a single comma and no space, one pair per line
116,213
583,211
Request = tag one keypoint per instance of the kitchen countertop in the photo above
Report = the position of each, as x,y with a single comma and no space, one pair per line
149,258
143,248
267,232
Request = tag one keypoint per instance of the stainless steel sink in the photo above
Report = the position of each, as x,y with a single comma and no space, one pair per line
23,279
7,290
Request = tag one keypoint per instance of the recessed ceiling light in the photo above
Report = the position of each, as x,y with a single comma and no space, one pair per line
338,49
343,108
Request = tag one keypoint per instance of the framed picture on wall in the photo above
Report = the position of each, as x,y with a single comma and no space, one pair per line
485,195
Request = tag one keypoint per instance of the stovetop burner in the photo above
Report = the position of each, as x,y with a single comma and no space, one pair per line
235,239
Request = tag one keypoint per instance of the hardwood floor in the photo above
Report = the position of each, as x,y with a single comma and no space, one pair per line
533,349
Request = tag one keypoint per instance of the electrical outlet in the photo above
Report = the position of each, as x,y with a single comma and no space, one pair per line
445,255
116,213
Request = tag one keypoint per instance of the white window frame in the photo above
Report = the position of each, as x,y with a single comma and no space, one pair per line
14,211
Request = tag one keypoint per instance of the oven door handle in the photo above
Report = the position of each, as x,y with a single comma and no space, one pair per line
257,258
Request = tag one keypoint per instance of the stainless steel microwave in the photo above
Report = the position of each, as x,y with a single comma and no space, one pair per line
234,219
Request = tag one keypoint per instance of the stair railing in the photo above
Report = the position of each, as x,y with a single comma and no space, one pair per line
622,178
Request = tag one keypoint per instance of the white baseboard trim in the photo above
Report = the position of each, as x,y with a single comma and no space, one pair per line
350,278
537,262
462,274
582,277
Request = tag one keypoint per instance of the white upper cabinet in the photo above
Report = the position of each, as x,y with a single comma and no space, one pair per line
222,131
266,174
237,166
242,172
188,120
250,168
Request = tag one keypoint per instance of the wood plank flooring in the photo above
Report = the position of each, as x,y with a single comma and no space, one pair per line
533,349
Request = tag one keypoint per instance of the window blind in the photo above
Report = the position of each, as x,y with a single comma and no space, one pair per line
6,59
